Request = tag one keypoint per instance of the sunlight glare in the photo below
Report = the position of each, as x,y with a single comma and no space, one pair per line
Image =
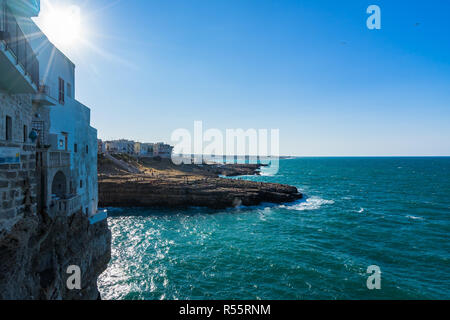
62,26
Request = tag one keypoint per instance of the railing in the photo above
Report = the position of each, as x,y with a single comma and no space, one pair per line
67,206
58,159
18,44
43,89
47,90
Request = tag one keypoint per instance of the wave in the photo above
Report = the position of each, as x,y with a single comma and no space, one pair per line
312,203
414,218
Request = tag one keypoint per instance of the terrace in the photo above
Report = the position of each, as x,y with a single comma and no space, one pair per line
19,66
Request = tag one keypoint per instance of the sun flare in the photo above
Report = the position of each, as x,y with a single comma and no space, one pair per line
62,25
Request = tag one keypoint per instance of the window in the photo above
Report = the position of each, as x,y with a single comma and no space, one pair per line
61,91
75,148
8,133
69,90
61,143
25,134
66,140
87,149
81,184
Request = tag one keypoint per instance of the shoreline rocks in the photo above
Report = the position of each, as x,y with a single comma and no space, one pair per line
189,186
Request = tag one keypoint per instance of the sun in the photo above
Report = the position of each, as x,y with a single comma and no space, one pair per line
62,25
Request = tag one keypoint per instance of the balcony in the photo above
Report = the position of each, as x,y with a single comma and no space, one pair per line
19,67
67,206
56,159
45,96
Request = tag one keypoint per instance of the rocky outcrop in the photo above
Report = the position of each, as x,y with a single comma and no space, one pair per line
163,184
36,252
213,193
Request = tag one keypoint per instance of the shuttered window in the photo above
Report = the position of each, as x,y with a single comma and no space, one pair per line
8,133
61,91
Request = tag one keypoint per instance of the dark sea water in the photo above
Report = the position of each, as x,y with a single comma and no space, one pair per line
389,212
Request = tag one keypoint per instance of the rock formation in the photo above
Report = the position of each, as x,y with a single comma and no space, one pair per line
167,185
36,252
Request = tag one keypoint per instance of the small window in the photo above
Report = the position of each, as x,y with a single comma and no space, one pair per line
81,184
25,134
69,90
61,91
75,148
8,133
61,143
87,149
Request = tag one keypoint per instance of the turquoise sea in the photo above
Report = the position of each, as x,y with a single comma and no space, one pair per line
389,212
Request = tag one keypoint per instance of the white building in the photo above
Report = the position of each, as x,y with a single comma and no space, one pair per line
162,150
68,144
119,146
144,149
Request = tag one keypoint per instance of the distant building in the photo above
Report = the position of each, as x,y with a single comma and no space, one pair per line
138,148
162,150
100,147
119,146
148,149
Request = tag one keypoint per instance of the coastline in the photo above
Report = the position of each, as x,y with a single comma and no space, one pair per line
162,184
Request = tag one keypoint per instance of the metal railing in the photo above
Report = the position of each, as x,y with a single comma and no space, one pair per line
18,44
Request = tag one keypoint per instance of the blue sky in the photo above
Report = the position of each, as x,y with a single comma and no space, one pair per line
309,68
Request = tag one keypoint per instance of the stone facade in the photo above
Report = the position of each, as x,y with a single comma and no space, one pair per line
18,185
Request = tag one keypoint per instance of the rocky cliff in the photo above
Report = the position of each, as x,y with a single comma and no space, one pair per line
162,184
212,193
36,251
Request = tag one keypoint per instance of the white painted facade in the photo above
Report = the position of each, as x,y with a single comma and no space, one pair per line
162,150
119,146
144,149
69,119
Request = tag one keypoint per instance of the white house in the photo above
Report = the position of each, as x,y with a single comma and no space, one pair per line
162,150
120,146
69,130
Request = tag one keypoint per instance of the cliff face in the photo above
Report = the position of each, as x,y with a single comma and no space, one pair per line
160,183
36,252
212,193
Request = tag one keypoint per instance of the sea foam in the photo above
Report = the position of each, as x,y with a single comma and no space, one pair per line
312,203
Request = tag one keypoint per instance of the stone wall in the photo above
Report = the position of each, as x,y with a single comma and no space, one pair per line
17,181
